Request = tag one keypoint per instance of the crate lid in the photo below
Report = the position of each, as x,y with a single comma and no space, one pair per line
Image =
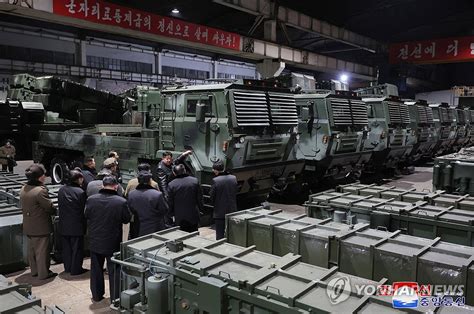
468,250
145,244
286,215
282,285
304,270
267,220
226,249
456,217
199,261
399,248
317,298
234,270
359,240
444,258
173,234
260,258
292,226
166,254
242,216
309,220
198,242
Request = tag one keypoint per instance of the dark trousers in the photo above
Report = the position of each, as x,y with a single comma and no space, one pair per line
220,228
97,276
73,254
38,256
9,167
188,226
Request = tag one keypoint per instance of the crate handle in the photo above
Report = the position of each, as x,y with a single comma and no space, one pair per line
382,228
221,272
422,211
275,288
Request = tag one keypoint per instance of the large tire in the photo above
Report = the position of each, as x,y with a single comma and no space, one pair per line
59,171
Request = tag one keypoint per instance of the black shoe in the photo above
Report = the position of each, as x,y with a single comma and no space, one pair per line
34,275
97,299
82,271
51,275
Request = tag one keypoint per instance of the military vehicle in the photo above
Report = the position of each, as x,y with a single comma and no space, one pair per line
421,133
332,127
461,119
445,126
251,128
388,121
55,104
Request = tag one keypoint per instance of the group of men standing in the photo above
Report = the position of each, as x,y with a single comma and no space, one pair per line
95,202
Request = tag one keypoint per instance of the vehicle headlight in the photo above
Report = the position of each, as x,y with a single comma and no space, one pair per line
242,139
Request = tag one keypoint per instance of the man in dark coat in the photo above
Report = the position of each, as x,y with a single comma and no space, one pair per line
223,196
148,207
37,221
105,213
185,199
133,183
72,223
165,169
88,171
95,186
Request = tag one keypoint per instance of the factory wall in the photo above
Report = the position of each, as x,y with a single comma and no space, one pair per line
18,42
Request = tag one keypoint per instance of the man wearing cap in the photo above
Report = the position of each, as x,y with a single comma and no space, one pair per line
94,186
133,183
37,221
115,155
148,207
105,212
72,223
185,199
223,196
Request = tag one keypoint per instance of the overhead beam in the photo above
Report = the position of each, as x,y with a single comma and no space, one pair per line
252,49
303,22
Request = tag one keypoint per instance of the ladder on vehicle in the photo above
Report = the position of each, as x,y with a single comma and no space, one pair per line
167,123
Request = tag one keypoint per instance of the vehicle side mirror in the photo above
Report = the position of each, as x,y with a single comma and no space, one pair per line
200,112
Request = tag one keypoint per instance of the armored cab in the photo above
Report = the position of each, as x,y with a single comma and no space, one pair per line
445,127
388,122
461,128
421,132
252,129
332,127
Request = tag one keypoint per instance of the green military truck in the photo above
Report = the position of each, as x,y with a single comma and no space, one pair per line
251,128
332,127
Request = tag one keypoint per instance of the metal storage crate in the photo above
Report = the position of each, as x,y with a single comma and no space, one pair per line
396,258
260,232
225,278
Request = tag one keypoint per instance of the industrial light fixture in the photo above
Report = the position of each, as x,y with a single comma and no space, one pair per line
175,11
344,78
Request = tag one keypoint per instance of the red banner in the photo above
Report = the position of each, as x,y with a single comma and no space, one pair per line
102,12
433,51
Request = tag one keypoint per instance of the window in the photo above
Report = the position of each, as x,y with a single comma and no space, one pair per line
119,65
185,73
191,106
36,55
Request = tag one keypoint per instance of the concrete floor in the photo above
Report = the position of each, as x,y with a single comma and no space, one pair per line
72,294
